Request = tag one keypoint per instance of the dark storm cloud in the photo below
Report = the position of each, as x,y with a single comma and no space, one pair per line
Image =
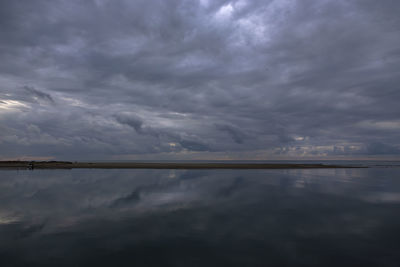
236,134
133,122
382,149
113,79
38,94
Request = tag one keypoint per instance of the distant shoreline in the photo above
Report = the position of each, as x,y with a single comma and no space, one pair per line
159,165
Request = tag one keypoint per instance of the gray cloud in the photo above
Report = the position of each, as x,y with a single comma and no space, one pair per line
133,122
236,134
38,94
378,148
243,79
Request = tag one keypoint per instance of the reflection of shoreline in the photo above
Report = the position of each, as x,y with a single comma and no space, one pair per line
7,219
152,165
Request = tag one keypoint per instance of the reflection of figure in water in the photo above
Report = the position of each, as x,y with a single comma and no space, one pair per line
30,165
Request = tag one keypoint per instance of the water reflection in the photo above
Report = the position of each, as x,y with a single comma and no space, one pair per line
198,217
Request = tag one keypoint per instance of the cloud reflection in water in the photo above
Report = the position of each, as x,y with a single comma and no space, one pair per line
198,217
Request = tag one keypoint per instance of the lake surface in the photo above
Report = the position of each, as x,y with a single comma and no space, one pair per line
314,217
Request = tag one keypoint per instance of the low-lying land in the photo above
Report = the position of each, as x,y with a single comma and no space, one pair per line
158,165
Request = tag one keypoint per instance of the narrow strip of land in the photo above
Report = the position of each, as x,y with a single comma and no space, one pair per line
158,165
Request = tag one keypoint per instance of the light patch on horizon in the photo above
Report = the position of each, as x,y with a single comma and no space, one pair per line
6,219
74,102
11,105
381,125
383,197
299,138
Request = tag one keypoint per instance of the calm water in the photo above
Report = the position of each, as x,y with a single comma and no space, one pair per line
322,217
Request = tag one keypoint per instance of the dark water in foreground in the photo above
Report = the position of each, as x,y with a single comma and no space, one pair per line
316,217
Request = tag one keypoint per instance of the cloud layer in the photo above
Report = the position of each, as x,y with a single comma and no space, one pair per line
199,79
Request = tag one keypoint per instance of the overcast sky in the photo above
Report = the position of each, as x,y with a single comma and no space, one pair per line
199,79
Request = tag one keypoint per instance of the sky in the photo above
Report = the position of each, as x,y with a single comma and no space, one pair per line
199,79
